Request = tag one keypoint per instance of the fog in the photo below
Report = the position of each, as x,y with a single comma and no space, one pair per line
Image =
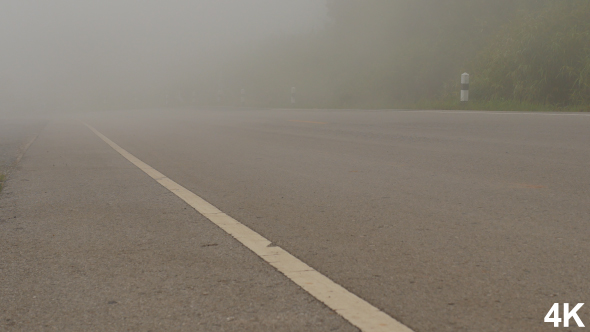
81,55
75,55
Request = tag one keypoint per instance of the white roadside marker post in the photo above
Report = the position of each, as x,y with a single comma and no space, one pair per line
293,91
465,87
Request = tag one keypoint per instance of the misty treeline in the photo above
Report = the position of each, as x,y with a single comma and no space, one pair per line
388,53
368,54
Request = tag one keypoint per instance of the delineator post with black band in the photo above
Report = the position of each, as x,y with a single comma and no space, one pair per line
465,87
293,93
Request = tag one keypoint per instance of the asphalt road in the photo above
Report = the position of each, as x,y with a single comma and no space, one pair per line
446,221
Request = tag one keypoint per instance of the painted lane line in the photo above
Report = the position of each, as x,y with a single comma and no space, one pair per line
351,307
24,149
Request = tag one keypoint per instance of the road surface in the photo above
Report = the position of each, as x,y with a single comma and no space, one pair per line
445,221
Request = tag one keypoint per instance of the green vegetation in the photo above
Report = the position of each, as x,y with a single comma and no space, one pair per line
2,179
544,57
522,55
496,105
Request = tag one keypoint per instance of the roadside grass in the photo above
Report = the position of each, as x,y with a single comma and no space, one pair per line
2,179
497,105
447,104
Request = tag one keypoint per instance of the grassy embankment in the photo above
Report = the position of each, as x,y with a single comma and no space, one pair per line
497,105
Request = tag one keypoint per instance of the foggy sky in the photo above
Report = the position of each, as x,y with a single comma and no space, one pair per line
61,53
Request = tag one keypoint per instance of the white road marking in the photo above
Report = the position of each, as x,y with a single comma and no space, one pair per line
24,149
351,307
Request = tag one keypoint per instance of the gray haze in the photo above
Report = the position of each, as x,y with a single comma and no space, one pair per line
72,54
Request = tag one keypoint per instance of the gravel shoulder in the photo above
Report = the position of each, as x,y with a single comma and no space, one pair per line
15,133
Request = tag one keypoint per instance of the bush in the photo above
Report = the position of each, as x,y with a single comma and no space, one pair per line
544,57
